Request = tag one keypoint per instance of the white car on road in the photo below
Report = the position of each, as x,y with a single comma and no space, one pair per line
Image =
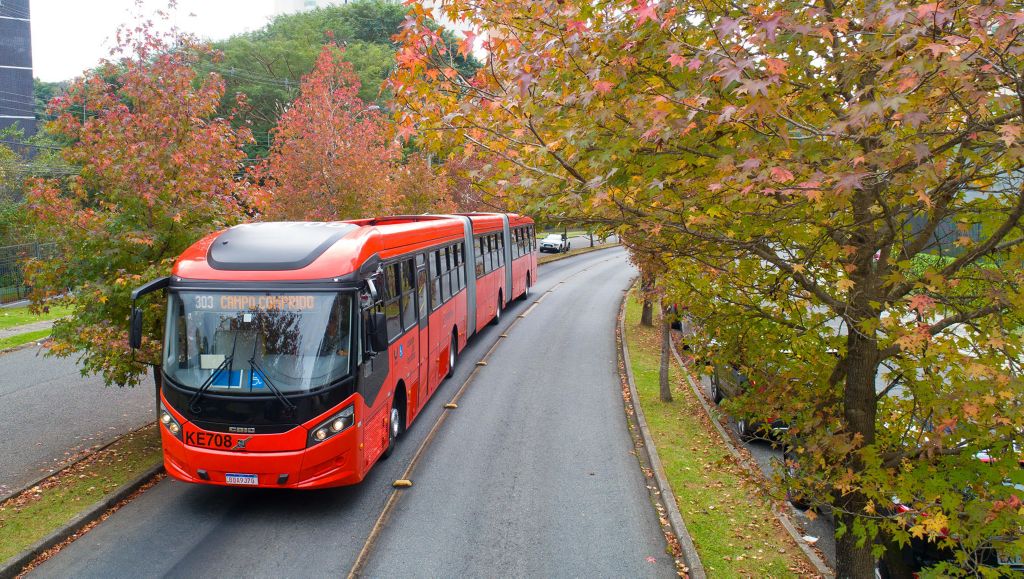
554,243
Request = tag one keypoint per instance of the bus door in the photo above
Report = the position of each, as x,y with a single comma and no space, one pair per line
423,348
408,354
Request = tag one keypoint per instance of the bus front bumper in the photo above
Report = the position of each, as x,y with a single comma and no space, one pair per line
334,462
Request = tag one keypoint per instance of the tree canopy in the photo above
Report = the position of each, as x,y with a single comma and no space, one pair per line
333,157
156,166
267,65
834,189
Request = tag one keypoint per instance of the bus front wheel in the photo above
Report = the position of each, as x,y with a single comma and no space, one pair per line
394,428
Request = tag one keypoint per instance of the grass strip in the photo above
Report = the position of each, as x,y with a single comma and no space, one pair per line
34,514
21,339
11,317
730,521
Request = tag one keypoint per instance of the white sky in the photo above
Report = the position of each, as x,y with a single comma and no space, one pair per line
70,36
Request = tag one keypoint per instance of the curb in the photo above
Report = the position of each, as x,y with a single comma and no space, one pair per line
85,455
675,518
13,566
26,345
714,416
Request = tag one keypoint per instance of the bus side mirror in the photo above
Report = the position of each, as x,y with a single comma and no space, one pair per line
135,329
378,332
371,288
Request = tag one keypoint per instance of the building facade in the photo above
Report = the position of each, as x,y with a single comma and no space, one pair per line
17,99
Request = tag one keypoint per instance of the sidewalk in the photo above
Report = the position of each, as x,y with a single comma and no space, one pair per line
25,328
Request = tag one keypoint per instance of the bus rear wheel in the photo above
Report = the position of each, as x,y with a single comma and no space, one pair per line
526,292
453,352
497,312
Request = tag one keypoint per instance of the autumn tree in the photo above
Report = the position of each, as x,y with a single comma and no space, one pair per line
422,188
156,167
333,156
840,188
267,64
331,153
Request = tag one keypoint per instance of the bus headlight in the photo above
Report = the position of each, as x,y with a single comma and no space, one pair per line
167,419
333,425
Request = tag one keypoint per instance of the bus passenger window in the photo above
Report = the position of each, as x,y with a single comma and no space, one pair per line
392,302
435,281
459,282
408,298
421,286
445,271
480,258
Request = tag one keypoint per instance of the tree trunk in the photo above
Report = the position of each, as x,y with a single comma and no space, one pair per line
859,410
853,562
646,285
666,331
591,240
647,315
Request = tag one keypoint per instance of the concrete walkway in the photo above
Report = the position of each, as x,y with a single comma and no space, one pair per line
26,328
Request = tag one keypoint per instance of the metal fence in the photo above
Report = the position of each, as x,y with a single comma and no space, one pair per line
12,268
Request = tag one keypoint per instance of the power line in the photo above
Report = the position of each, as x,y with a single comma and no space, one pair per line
250,76
25,144
22,97
15,12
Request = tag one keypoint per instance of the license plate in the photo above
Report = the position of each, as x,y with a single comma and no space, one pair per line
241,479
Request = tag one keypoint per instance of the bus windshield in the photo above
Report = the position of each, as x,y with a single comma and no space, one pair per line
240,341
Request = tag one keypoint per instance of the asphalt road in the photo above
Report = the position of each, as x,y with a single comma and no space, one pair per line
531,475
49,413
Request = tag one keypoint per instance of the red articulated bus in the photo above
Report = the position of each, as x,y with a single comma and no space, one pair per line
296,354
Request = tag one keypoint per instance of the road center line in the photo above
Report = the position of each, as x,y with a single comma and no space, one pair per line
389,505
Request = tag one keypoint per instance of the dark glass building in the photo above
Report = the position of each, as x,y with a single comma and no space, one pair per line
17,99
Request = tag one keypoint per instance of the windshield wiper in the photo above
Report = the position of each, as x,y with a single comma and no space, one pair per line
193,403
254,366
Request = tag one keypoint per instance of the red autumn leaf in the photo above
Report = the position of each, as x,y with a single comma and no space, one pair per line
644,11
781,175
466,44
922,304
575,26
677,60
776,65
